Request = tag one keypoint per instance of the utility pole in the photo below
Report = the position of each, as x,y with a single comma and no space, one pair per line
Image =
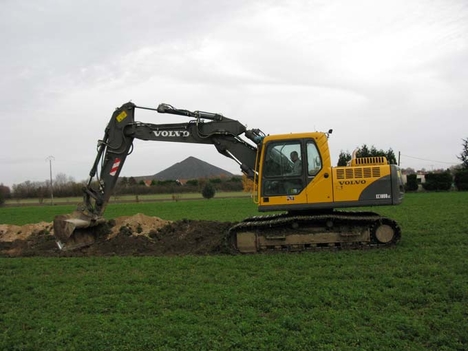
50,159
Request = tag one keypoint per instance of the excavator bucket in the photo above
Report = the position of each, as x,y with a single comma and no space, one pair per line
76,230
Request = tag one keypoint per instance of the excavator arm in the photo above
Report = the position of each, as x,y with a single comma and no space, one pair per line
203,128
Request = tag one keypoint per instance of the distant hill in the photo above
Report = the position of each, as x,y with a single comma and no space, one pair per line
190,168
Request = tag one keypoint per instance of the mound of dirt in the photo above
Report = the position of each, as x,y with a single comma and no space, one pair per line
137,235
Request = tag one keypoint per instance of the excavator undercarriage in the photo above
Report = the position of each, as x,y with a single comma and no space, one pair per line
313,232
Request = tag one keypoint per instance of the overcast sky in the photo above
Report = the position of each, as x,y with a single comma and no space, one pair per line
393,74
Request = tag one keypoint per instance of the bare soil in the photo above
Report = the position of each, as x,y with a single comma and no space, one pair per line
137,235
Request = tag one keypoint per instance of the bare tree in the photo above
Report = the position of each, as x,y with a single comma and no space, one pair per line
464,154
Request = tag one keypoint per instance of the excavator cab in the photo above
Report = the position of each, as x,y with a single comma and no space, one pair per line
288,166
294,172
311,183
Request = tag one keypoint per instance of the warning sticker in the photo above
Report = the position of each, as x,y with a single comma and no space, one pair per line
115,167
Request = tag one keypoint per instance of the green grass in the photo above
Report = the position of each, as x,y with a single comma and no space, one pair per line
225,209
413,297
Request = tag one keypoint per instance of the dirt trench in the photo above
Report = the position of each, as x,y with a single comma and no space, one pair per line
137,235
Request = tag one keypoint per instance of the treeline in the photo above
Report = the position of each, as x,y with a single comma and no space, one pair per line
441,181
129,186
66,187
41,190
5,193
366,151
455,177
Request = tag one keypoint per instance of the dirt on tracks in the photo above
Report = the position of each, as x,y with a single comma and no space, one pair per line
137,235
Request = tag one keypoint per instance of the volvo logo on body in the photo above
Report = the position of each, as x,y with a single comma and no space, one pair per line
352,182
171,133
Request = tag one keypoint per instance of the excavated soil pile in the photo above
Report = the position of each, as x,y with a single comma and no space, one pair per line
137,235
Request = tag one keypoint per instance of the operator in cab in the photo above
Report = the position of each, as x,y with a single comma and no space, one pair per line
297,164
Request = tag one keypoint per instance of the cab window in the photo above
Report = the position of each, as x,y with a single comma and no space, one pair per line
283,169
314,161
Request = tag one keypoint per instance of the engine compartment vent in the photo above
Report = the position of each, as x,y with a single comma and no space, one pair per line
376,160
357,172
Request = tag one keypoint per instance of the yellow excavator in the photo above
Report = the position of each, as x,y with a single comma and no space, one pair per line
292,175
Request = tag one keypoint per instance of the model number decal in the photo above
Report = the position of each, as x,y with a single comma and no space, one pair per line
383,196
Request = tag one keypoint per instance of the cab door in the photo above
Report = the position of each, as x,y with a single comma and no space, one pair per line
283,169
319,188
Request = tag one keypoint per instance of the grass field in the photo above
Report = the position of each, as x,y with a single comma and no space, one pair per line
123,198
412,297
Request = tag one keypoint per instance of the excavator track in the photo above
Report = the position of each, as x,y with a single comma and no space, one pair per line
313,232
